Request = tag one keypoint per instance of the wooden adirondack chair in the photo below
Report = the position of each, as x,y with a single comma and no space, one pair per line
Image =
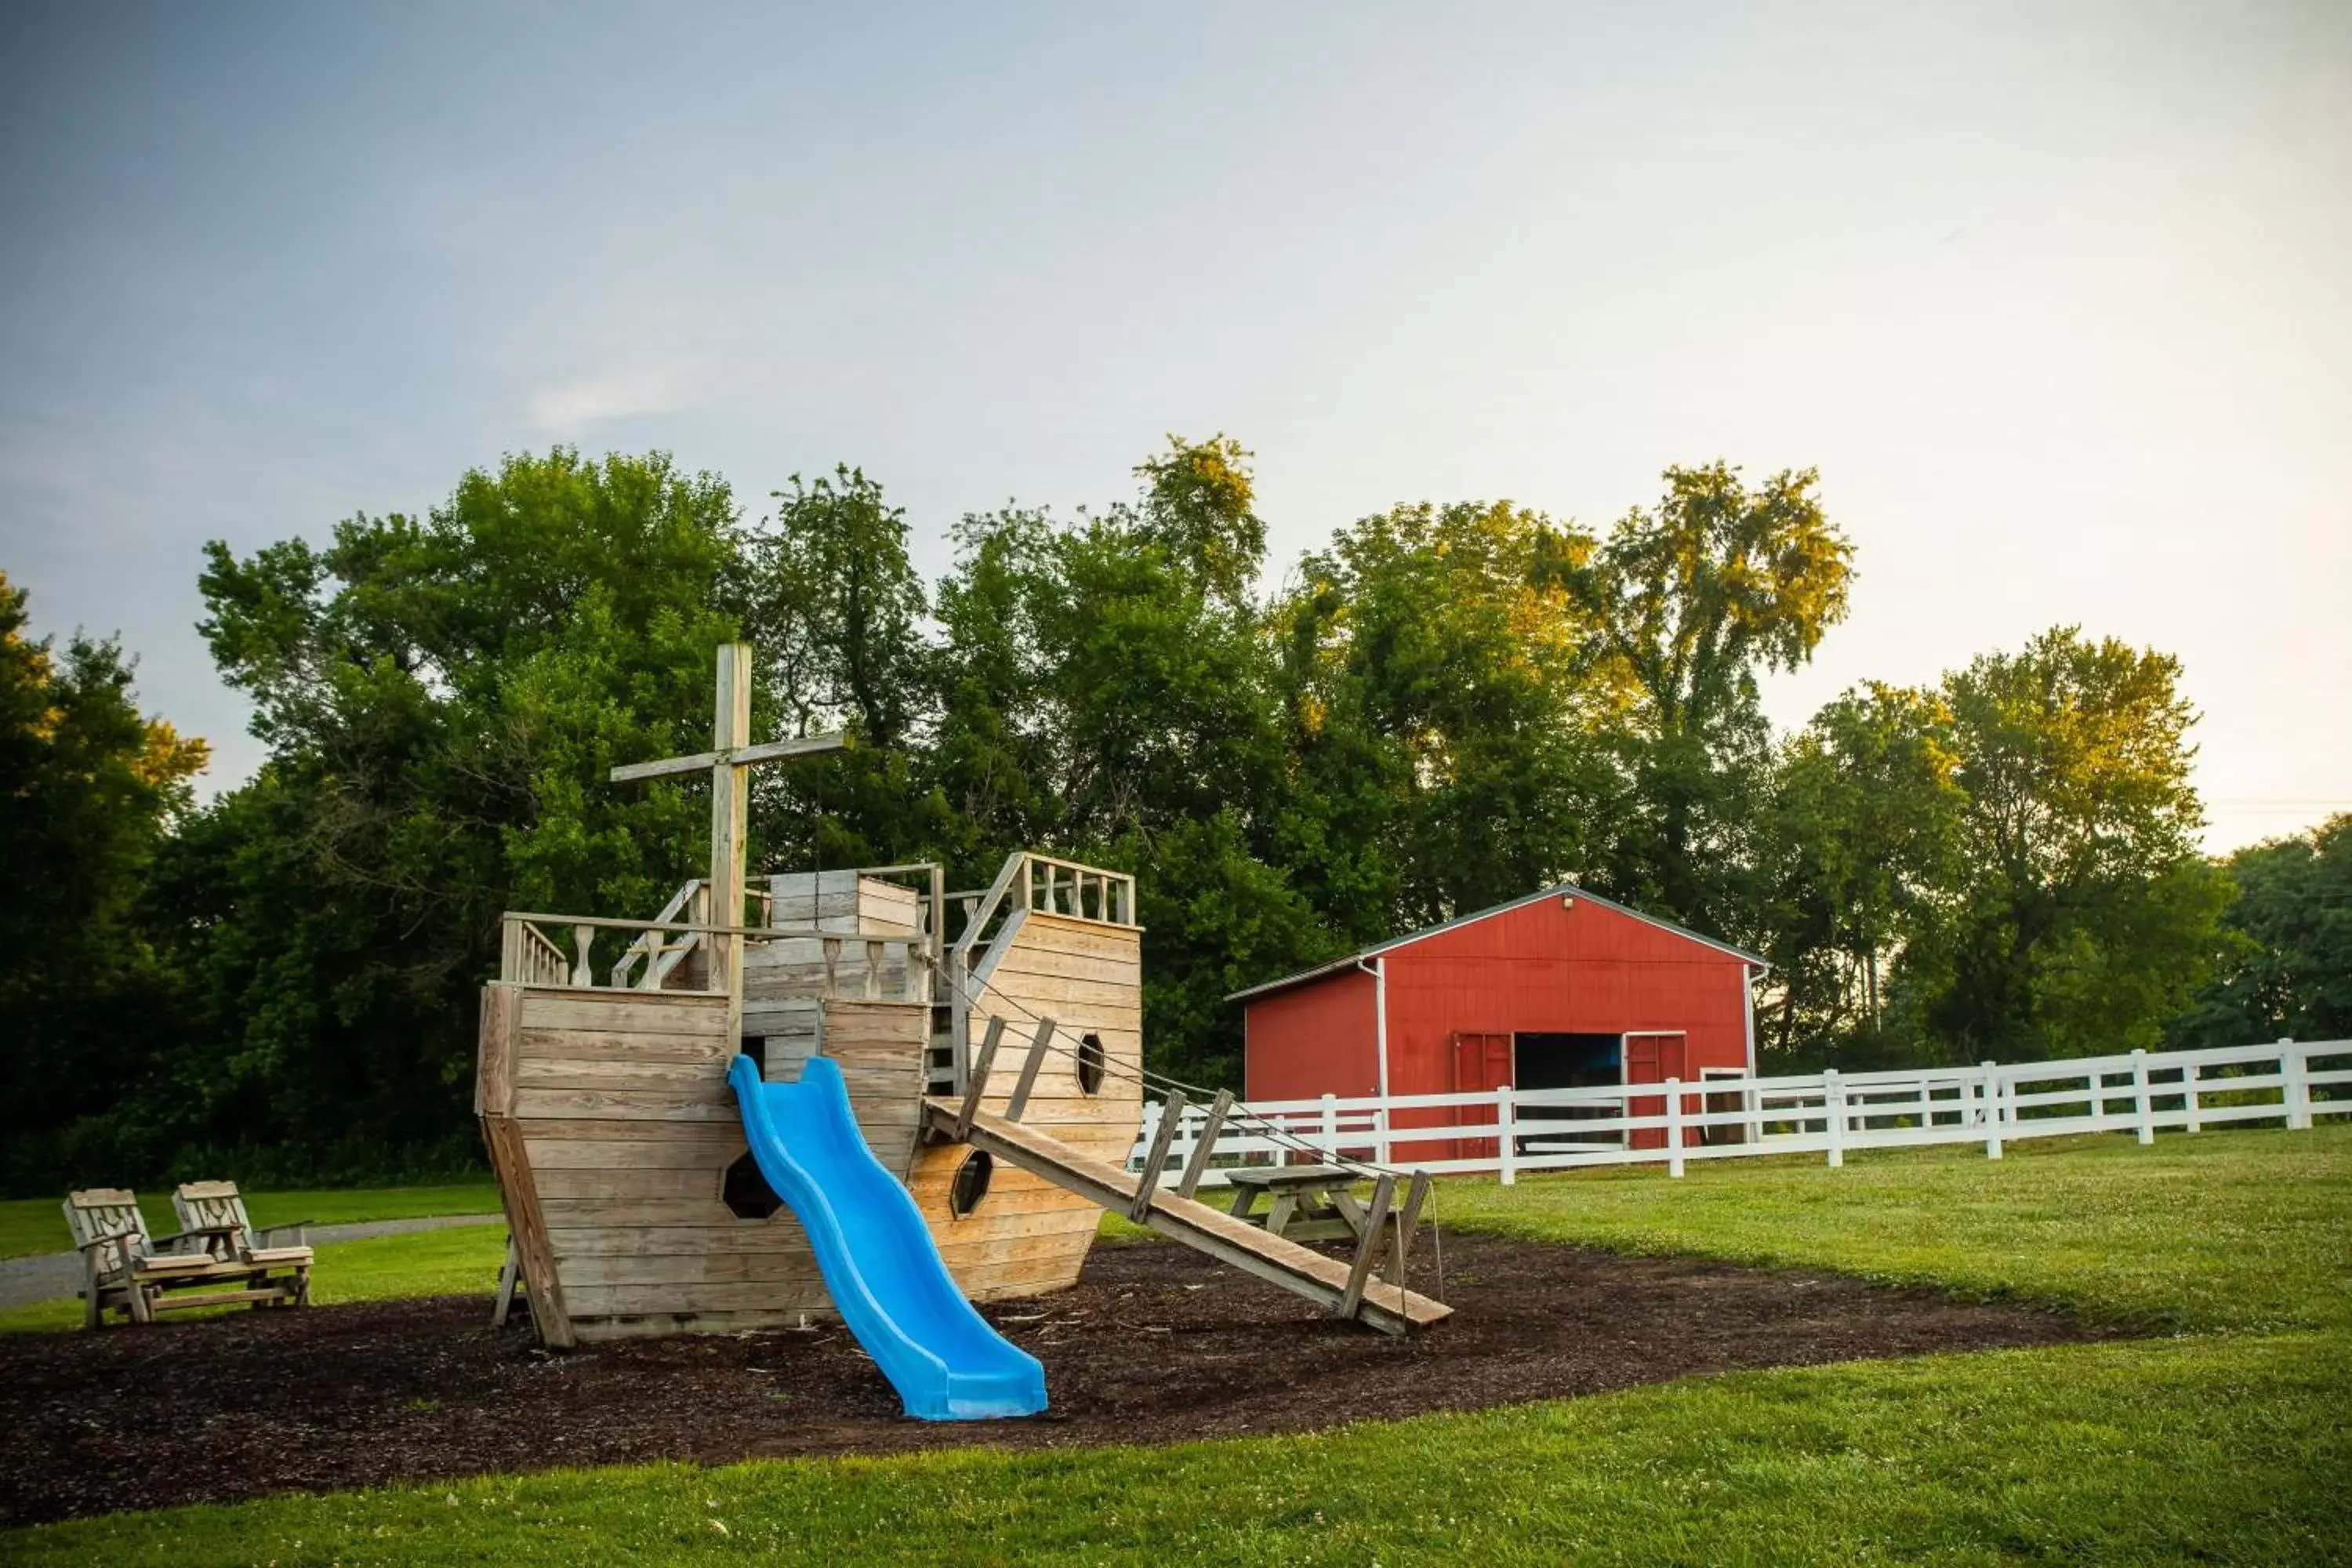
213,1219
125,1267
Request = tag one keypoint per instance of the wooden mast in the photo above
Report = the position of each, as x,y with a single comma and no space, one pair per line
729,759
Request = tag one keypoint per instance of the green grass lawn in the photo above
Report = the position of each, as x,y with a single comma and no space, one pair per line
2227,1445
2235,1230
38,1224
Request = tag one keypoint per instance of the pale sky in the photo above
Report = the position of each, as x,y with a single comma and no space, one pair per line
2057,297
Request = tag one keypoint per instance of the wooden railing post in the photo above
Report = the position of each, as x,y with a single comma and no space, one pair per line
2098,1082
1330,1126
1408,1220
2189,1073
1674,1126
1038,1043
1368,1244
2143,1106
959,1003
978,1085
1147,1186
1206,1146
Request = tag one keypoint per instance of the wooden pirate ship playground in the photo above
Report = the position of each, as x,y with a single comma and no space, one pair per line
990,1043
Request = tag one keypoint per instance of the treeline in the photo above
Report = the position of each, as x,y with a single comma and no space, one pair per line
1446,707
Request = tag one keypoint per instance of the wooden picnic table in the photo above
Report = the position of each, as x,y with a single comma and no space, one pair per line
1309,1202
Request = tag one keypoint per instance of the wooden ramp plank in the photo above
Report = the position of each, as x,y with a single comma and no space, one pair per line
1321,1279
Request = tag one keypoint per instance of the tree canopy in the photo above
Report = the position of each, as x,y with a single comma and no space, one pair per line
1449,703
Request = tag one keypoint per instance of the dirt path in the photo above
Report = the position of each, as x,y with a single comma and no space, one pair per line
1155,1345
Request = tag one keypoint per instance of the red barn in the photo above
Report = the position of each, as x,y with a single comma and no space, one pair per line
1558,989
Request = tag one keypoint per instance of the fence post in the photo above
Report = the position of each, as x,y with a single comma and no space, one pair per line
1381,1133
2142,1107
1752,1101
2189,1076
1507,1133
1330,1126
1992,1110
2098,1100
2294,1065
1833,1115
1674,1127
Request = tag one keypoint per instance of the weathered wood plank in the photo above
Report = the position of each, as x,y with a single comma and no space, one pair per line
612,1301
1058,963
494,1080
625,1012
606,1331
700,1180
658,1077
590,1105
1042,930
796,1270
526,1222
1008,1237
1022,1278
1155,1160
712,1151
610,1213
608,1045
680,1238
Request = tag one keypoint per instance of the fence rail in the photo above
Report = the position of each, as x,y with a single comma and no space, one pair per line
1507,1131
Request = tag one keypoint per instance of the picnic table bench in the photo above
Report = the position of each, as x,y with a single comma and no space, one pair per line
1309,1203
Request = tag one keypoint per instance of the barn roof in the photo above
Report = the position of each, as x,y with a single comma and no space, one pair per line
1559,889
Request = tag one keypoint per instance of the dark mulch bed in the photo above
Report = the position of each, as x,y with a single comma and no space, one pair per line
1155,1345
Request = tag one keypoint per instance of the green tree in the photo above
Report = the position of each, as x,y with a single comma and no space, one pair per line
1107,689
1866,817
1446,713
1197,507
1691,601
89,789
442,697
2085,918
835,608
2288,973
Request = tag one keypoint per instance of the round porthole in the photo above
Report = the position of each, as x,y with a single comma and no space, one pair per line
971,1183
1090,1063
745,1191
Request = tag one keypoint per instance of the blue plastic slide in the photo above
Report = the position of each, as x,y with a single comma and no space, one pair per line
880,1263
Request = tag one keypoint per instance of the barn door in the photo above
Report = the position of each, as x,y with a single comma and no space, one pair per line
1653,1058
1482,1064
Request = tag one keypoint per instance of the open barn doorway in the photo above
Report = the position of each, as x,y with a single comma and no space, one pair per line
1548,1060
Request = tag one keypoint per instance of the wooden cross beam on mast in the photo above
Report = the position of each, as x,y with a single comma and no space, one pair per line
730,755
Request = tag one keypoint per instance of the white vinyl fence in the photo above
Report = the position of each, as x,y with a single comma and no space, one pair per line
1506,1131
